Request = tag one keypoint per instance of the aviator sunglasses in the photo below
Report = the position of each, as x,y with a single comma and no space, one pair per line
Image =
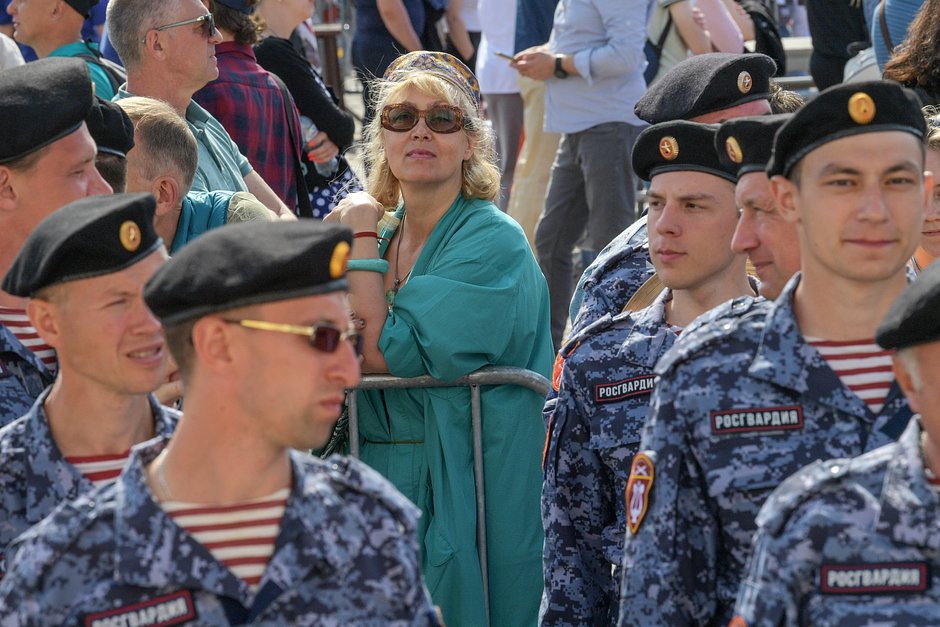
324,339
440,118
206,24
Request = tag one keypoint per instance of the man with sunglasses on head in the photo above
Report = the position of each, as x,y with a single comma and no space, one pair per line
168,49
229,523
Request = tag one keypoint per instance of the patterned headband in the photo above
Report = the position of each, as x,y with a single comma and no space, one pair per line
442,65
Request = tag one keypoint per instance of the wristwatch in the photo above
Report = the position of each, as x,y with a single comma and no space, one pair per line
559,71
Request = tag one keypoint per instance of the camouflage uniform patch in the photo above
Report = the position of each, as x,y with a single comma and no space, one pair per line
346,553
849,542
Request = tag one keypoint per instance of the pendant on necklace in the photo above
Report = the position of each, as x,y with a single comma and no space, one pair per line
391,293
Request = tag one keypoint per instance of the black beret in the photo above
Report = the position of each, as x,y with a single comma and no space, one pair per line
110,127
844,110
678,146
41,102
90,237
745,144
82,6
250,263
245,6
705,83
912,318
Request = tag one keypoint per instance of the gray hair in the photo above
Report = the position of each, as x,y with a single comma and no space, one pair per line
128,23
163,139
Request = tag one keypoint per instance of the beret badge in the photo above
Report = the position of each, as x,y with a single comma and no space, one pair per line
339,260
734,150
861,108
669,148
129,234
745,82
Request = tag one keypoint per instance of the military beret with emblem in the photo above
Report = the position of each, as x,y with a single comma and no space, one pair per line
678,146
745,144
912,318
250,263
90,237
83,7
706,83
110,127
41,102
844,110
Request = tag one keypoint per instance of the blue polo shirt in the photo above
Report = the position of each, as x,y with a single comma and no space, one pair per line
221,167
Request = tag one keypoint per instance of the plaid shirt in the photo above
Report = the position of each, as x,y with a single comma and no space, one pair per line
249,104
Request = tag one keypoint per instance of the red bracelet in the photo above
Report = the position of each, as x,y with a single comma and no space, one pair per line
366,234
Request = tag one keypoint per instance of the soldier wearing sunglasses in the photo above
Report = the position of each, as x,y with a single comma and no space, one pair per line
444,284
168,49
228,523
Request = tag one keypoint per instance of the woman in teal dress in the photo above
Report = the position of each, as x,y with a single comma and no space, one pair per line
443,283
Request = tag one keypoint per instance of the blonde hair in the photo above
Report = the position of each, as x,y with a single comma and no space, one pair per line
480,173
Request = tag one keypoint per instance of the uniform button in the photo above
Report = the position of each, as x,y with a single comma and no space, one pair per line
834,470
334,466
90,505
726,326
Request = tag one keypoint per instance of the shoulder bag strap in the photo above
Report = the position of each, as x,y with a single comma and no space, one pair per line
885,35
665,33
303,195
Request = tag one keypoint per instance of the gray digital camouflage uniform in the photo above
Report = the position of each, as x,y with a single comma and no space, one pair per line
743,402
34,476
345,554
22,377
602,403
849,542
615,275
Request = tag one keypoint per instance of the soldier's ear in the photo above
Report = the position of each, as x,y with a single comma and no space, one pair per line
785,192
7,190
906,382
212,339
45,317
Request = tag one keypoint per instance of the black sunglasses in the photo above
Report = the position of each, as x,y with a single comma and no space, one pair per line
441,118
206,23
322,338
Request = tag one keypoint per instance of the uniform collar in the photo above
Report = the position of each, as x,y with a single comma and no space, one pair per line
784,358
50,479
9,344
910,507
305,541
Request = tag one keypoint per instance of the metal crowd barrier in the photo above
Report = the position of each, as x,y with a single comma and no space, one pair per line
490,375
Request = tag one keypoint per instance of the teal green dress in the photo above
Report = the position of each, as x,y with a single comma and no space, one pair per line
475,298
